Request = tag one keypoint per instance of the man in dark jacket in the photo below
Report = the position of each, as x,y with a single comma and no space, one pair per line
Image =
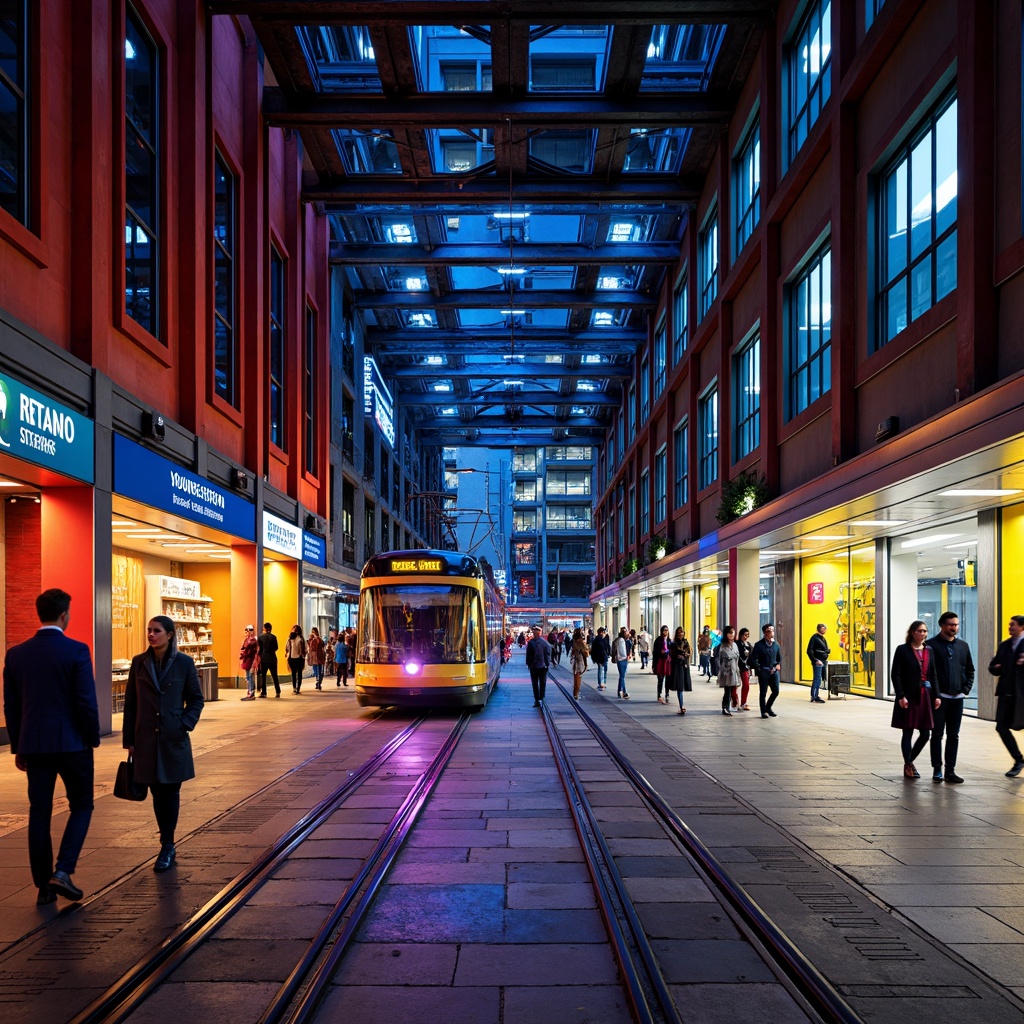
954,672
538,661
600,652
53,720
268,659
766,661
818,651
1008,665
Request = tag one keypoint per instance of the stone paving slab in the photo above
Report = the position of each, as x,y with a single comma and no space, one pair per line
419,1005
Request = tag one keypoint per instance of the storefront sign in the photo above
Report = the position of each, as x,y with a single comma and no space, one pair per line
314,549
40,430
160,483
377,400
815,593
282,536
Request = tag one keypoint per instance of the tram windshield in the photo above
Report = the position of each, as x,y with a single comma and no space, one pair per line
433,624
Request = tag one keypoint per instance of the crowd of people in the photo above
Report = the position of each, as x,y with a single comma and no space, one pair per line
257,658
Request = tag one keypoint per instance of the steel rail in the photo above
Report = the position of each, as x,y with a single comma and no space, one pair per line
126,994
813,986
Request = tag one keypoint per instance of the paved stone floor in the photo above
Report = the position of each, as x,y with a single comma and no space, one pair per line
950,859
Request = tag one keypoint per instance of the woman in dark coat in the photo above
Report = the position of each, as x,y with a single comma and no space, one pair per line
913,680
162,704
661,661
681,656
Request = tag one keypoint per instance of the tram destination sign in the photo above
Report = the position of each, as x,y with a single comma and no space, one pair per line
400,565
39,430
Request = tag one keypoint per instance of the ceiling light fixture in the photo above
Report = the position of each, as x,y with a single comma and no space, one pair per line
979,492
879,522
935,538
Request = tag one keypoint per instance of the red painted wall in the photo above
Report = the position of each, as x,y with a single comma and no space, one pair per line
23,541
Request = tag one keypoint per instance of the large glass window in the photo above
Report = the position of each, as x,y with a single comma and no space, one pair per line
567,483
917,234
645,390
631,399
810,334
569,517
660,485
142,177
660,358
680,319
681,464
278,400
708,252
809,73
707,469
747,179
524,520
225,283
309,396
631,516
645,502
747,397
15,148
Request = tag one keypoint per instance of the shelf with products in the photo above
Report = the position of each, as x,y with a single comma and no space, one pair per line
192,611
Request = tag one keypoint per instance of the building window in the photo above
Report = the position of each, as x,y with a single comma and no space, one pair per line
708,252
810,334
680,318
225,286
142,154
15,136
645,390
631,398
645,502
277,390
747,398
660,358
872,7
569,517
747,176
309,393
681,464
524,521
631,515
571,483
466,77
707,468
809,73
660,485
917,234
622,528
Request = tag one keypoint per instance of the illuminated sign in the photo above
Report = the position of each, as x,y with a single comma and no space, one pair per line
417,565
377,400
280,535
815,593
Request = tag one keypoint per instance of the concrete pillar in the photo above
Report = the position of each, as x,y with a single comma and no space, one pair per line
632,609
895,611
744,591
991,627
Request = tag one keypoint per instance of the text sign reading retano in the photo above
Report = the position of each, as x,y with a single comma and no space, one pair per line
418,565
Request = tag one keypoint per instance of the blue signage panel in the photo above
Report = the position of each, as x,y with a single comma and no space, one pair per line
156,481
40,430
314,549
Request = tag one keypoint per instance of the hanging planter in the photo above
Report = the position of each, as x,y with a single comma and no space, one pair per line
659,547
741,495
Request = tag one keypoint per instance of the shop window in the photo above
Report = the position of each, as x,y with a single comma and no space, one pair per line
707,468
747,397
225,283
15,140
810,334
747,181
278,394
707,250
681,464
143,157
808,74
918,223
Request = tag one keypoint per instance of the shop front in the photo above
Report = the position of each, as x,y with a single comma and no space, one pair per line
183,547
282,574
47,460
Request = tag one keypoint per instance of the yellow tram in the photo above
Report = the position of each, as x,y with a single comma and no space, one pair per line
429,631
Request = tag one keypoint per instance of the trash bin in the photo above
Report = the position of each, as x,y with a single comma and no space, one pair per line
208,680
838,678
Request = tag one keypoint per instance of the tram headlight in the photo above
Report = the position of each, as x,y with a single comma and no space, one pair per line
412,668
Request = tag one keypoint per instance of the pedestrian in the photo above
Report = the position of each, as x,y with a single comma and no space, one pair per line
53,723
522,638
632,644
1008,665
913,680
248,658
268,660
620,656
681,658
744,645
643,644
954,679
818,651
295,652
162,704
538,661
600,652
662,662
704,652
556,647
342,654
317,652
332,642
728,668
766,663
578,654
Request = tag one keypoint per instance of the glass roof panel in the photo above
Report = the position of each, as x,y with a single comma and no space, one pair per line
567,149
568,58
367,152
450,59
341,57
618,278
405,279
418,317
523,316
681,57
525,279
655,152
609,318
458,150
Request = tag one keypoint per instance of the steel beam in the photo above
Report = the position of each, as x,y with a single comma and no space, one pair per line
500,371
476,299
496,254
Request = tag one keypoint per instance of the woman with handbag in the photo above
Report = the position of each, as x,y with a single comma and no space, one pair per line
913,680
662,662
247,658
728,655
162,704
681,656
295,652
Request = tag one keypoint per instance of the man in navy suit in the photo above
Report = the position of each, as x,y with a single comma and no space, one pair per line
54,723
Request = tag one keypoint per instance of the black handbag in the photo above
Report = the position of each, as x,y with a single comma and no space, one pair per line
125,786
